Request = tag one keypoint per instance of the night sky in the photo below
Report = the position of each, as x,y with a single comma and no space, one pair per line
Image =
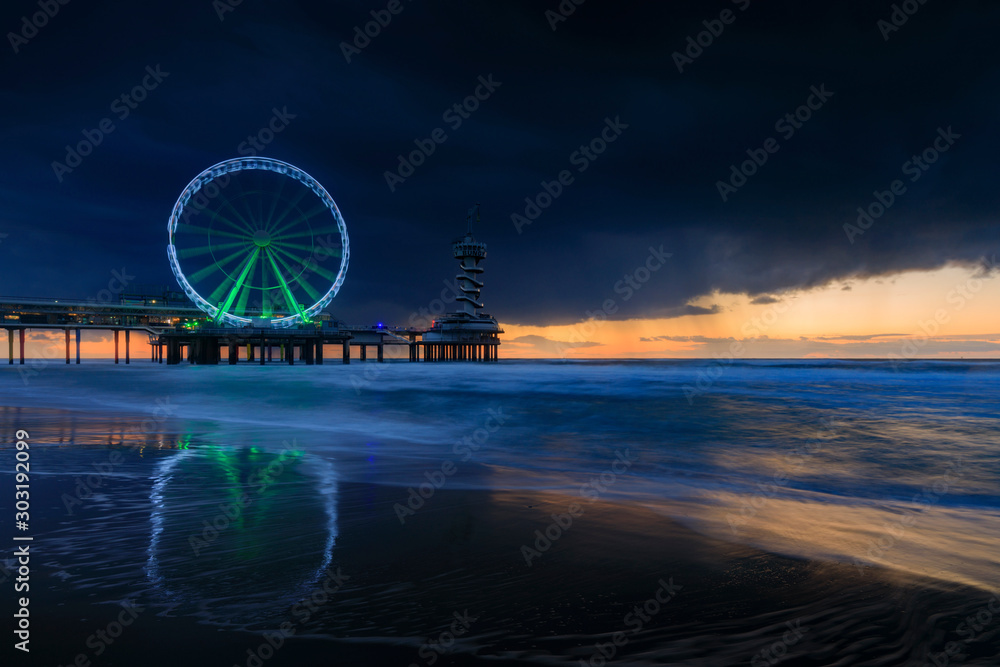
886,95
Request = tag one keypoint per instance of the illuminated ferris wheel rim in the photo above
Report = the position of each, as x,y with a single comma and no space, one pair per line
231,166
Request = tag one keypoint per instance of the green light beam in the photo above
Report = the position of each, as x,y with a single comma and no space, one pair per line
308,215
198,276
292,206
216,295
314,267
303,234
205,249
207,230
293,303
337,252
274,203
309,289
227,304
217,215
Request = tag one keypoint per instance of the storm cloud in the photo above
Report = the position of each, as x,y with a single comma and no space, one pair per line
743,112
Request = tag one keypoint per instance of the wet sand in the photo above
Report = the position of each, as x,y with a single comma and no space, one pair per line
700,601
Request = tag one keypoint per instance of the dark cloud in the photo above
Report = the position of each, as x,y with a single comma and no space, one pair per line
654,185
764,299
683,311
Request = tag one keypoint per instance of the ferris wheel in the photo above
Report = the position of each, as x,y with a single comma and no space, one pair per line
256,239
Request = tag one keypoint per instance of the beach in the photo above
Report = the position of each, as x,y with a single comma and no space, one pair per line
388,533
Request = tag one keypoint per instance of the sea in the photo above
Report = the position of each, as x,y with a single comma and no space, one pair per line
223,497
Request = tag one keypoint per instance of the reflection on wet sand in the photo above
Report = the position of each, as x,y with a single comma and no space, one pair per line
237,530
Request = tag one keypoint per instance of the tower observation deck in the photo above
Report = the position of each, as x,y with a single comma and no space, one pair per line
470,252
468,334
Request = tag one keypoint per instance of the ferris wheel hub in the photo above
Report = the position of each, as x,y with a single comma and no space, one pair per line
262,238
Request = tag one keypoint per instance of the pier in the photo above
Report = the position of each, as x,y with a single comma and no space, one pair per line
184,326
178,333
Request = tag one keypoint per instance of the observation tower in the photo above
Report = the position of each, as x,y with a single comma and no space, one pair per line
468,334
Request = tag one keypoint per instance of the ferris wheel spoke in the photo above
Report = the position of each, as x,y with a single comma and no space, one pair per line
242,225
265,295
302,219
219,265
243,199
206,249
305,217
274,203
259,220
238,283
208,230
293,303
293,246
292,205
306,233
313,266
216,295
241,303
309,289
